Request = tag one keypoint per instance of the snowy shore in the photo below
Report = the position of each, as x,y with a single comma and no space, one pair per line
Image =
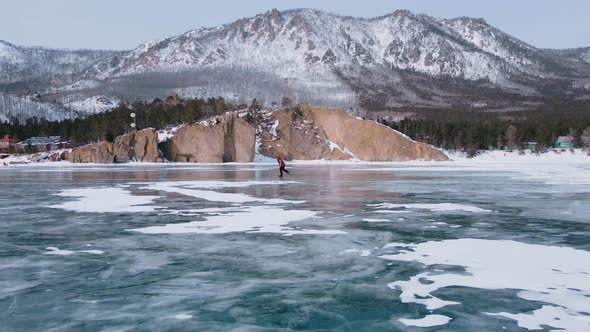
488,157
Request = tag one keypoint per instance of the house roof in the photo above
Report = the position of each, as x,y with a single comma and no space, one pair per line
6,138
565,139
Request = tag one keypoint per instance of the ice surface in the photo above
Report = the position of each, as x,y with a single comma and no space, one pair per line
427,321
559,276
187,188
100,200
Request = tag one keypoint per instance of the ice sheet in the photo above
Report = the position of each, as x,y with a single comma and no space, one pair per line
558,276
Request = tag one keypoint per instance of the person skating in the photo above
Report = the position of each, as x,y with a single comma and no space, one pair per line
281,165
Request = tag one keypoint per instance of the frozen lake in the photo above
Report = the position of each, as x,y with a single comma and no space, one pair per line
462,246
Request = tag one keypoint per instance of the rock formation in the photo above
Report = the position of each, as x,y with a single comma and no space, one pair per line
222,139
101,152
309,133
137,146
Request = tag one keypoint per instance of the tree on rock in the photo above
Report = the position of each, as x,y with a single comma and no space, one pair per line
286,102
255,106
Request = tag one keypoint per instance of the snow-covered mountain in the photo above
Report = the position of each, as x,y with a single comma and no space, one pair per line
581,54
304,40
40,65
396,60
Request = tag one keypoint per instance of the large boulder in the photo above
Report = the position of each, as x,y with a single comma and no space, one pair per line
223,139
309,133
101,152
137,146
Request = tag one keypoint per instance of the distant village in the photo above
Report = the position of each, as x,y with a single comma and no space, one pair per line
31,145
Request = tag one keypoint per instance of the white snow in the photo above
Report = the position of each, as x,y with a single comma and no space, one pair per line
361,252
100,200
57,251
94,252
93,105
183,316
435,207
63,252
557,276
375,220
251,219
193,189
426,321
166,134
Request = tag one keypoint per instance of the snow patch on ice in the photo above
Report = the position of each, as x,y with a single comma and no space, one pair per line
183,316
435,207
558,276
194,189
251,219
362,252
375,220
57,251
94,252
426,321
101,200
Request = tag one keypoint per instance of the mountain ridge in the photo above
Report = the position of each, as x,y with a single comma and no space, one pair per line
400,59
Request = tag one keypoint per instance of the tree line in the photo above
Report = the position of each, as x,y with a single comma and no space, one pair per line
477,130
157,113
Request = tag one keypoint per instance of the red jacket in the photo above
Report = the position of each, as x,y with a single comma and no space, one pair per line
281,162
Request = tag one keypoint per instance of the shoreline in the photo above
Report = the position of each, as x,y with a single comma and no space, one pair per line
486,157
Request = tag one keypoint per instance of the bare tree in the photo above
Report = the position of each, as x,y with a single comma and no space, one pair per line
511,136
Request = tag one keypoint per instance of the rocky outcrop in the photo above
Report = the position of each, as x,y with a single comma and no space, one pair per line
223,139
101,152
137,146
309,133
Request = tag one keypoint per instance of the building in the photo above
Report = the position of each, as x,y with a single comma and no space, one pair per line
41,144
531,145
6,144
564,142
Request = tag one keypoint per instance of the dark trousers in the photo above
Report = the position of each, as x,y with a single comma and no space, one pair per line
282,169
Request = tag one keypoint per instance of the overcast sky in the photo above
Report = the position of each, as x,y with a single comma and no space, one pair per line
124,24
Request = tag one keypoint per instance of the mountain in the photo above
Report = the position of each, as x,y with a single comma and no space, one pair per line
581,54
382,63
30,67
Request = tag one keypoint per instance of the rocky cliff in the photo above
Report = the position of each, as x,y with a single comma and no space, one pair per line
101,153
309,133
222,139
137,146
300,132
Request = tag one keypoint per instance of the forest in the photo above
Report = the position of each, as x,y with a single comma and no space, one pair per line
481,130
157,113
